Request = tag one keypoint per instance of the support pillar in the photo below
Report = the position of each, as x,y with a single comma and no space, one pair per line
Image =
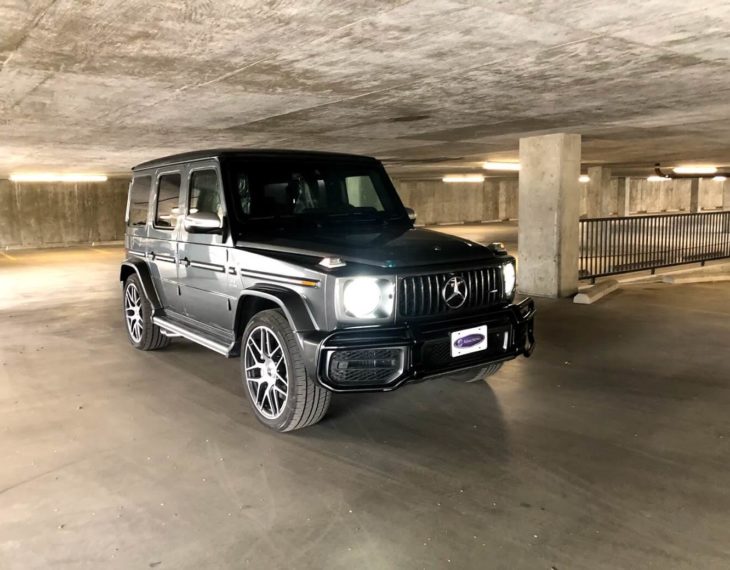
598,190
549,200
726,195
694,196
624,198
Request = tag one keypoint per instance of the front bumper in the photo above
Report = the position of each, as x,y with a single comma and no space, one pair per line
382,359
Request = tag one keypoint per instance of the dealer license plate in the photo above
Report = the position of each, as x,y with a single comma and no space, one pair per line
468,340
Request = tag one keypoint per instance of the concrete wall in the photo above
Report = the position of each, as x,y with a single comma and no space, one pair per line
437,202
51,214
654,197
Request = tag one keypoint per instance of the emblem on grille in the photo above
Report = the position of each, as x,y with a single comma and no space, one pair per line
454,292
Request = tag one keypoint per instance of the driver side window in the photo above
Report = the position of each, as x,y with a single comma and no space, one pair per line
205,193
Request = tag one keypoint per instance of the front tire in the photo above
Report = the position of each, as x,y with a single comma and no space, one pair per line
141,331
277,386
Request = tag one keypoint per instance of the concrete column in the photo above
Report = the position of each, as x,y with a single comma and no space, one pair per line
624,196
549,200
597,190
726,195
694,195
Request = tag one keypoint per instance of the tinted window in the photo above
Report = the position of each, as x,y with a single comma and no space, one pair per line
361,193
326,192
139,200
168,200
204,193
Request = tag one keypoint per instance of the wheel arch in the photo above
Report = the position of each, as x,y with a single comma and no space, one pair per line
139,268
263,297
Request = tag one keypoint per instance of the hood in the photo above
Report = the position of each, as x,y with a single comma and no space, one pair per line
389,247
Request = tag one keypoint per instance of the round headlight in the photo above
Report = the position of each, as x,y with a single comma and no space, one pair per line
508,271
361,297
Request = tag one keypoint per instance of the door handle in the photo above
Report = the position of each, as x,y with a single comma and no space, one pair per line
185,261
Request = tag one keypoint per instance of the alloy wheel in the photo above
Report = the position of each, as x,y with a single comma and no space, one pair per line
266,372
133,312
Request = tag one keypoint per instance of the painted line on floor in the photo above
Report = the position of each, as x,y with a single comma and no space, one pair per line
10,257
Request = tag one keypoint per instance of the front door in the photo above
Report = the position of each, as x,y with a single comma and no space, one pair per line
209,292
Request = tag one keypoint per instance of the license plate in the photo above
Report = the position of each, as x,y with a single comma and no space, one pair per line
468,340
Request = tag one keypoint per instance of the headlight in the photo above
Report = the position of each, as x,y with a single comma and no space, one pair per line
508,274
365,298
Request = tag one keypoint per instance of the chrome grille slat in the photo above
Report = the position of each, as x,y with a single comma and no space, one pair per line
420,295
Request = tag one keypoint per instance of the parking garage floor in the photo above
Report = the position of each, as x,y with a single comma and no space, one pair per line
607,449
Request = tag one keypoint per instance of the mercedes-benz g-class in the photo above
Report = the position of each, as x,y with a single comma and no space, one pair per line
308,266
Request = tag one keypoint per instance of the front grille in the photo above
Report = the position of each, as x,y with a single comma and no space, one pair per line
421,295
365,367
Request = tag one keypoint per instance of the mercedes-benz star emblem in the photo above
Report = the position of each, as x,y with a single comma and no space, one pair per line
454,292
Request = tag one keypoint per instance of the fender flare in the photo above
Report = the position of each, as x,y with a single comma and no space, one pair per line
140,267
291,303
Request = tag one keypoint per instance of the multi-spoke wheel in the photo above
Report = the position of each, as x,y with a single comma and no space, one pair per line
265,372
133,312
281,393
142,332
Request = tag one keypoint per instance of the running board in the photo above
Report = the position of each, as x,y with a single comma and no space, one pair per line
173,329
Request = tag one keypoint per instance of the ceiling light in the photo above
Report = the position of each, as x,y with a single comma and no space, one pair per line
584,178
46,177
511,166
720,178
463,178
695,169
655,178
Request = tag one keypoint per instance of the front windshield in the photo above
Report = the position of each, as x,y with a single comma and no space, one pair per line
319,191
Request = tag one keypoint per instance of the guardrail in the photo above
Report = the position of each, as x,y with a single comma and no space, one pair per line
609,246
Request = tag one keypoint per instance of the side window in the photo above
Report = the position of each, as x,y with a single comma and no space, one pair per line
205,195
139,200
168,200
361,193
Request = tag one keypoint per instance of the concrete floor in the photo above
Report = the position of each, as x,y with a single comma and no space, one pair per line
607,449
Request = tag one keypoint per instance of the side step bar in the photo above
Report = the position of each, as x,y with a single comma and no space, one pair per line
173,329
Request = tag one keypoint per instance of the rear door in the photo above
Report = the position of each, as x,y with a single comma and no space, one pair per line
209,290
163,235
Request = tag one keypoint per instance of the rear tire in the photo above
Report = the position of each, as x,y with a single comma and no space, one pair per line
282,395
137,311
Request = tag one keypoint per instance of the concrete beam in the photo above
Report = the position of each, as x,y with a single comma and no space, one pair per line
549,201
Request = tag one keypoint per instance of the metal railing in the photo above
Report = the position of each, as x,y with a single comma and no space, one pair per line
620,245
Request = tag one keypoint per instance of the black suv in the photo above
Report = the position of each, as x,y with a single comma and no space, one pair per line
307,265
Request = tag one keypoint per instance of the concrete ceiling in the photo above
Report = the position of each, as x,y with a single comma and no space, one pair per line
99,85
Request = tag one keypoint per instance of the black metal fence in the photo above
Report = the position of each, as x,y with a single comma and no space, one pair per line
620,245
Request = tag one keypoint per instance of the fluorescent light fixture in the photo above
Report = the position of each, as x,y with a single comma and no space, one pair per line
655,178
463,178
720,178
510,166
695,169
47,177
584,178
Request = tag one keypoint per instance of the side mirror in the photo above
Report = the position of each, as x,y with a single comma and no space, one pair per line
202,222
411,214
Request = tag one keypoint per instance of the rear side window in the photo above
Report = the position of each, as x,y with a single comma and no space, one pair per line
139,200
168,200
204,193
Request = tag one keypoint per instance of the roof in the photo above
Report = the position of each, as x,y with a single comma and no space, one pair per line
240,152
